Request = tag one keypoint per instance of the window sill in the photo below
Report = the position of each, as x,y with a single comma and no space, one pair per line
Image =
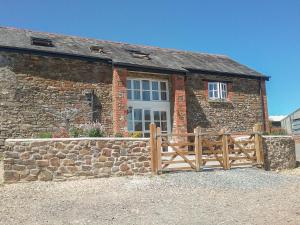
219,101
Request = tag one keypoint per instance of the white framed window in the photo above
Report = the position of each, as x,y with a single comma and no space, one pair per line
139,119
217,90
147,90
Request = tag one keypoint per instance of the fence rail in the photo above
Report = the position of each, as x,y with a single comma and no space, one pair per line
197,151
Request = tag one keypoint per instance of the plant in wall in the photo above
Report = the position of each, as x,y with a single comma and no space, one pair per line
92,129
45,135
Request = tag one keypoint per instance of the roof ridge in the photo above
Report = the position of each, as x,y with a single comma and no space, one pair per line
116,42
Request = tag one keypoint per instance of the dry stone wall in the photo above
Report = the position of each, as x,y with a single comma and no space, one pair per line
279,152
61,159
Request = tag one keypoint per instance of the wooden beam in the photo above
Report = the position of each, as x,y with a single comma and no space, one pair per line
153,149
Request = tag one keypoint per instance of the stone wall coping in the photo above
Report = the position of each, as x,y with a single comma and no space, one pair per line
76,139
277,136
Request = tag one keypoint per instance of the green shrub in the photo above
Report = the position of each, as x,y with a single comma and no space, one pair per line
136,134
95,133
75,132
45,135
119,135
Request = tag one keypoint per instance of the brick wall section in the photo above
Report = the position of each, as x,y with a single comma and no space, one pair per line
238,115
119,100
265,105
180,110
46,160
34,90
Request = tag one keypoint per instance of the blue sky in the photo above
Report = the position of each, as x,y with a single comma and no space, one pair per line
263,34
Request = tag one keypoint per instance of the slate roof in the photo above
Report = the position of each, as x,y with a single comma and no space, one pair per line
121,53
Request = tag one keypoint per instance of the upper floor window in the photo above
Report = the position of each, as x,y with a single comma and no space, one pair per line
147,90
217,90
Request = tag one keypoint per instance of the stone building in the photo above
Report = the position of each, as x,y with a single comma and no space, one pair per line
291,123
50,80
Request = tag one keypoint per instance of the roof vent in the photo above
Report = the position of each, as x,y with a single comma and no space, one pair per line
41,42
139,54
98,49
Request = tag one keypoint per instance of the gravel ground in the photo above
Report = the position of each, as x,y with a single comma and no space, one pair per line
239,196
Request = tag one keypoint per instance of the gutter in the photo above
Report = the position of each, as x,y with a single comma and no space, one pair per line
211,72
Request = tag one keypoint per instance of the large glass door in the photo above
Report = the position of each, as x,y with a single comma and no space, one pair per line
140,119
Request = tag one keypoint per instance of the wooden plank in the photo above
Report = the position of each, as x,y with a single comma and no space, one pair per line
184,151
257,128
242,157
166,143
212,159
175,161
153,149
212,152
158,149
197,150
249,150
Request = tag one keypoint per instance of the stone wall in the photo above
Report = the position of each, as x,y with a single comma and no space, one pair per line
60,159
238,115
279,152
41,93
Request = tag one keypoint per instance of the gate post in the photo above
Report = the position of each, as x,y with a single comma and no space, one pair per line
258,144
225,150
158,149
198,148
153,148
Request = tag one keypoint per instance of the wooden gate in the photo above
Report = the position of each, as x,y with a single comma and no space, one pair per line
197,151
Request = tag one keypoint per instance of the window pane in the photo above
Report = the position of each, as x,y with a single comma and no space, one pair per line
129,94
146,95
146,85
164,126
157,124
146,135
155,85
155,95
147,125
138,126
147,115
163,115
137,95
163,96
129,120
156,115
129,114
137,114
211,94
128,83
163,86
136,84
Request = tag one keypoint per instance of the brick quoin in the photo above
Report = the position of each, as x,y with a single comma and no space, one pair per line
265,106
119,100
180,114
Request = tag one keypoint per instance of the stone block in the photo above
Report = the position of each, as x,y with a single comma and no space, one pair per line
42,163
55,161
68,162
11,176
45,175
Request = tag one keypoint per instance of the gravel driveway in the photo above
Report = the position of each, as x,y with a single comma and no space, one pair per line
240,196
